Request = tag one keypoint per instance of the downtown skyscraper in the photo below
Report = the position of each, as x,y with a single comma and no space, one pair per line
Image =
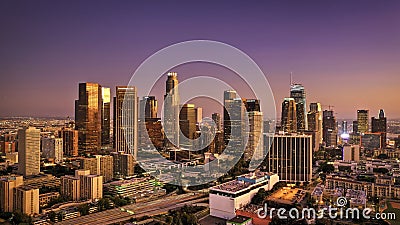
234,118
126,120
329,129
255,143
314,120
289,115
297,92
88,117
379,125
171,110
29,151
363,120
148,107
290,156
105,115
187,121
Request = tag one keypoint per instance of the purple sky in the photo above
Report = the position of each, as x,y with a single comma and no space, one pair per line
346,53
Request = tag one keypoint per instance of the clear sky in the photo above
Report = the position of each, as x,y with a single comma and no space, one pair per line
346,53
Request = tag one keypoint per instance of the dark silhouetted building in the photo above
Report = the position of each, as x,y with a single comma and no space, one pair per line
234,114
252,105
216,117
298,93
70,141
148,107
329,128
289,115
379,125
355,127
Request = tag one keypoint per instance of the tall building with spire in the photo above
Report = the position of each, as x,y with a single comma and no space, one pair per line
297,92
171,110
88,117
379,125
329,128
126,120
289,115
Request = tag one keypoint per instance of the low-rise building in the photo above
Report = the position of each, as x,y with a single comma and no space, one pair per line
27,200
7,190
136,188
374,185
226,198
40,180
82,186
45,198
357,198
70,187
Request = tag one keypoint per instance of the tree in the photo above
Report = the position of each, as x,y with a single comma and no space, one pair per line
19,218
6,215
60,216
103,204
83,209
258,198
52,216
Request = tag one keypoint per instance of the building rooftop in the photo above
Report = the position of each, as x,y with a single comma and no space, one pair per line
131,181
242,182
239,219
26,188
232,186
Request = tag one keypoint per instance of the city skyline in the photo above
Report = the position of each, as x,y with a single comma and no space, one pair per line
344,53
199,112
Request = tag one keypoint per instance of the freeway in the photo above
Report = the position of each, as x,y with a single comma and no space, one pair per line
137,210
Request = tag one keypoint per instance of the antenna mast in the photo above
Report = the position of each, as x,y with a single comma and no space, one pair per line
291,79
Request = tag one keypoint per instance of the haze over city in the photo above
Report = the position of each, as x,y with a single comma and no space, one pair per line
345,53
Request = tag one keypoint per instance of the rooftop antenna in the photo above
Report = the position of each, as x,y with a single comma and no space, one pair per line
291,79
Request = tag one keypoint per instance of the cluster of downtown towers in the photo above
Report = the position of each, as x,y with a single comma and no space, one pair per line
304,130
93,120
